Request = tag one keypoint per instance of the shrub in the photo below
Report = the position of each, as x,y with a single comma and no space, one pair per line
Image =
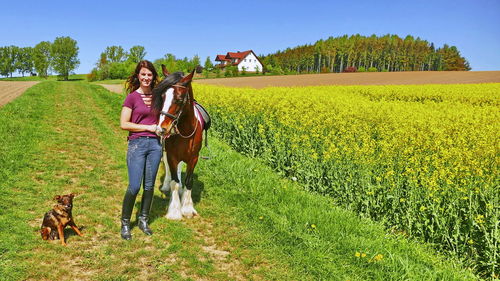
276,70
118,70
362,69
243,70
372,69
92,76
235,71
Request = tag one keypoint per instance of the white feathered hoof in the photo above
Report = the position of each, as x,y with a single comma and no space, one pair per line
187,208
174,208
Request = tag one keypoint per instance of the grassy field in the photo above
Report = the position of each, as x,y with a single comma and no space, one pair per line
62,137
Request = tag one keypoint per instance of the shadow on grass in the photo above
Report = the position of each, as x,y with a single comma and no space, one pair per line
68,232
160,202
71,79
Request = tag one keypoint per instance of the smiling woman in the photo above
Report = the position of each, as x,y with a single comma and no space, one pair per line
144,149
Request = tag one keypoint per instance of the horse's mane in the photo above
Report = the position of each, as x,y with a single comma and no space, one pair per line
160,89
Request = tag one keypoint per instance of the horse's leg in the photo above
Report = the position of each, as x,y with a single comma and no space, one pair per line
187,209
165,188
179,176
174,207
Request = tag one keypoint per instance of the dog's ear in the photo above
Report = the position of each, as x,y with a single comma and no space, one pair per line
57,197
72,195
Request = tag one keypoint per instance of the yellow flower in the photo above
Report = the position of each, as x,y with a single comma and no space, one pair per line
378,257
479,219
357,254
363,255
261,218
313,226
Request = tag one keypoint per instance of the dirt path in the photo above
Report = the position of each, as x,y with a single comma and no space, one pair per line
116,88
10,90
372,78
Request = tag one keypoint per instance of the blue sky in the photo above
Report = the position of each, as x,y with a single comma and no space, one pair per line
208,28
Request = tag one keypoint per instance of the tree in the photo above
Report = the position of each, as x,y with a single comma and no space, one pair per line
42,58
64,52
208,64
25,60
136,54
193,63
8,60
115,53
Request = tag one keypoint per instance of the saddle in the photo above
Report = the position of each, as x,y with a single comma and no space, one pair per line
204,115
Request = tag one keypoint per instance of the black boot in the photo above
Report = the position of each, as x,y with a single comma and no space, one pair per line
128,206
146,202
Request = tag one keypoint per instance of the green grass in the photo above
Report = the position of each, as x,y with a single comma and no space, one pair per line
72,77
64,137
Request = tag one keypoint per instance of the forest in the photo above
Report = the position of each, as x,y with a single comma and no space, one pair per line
357,53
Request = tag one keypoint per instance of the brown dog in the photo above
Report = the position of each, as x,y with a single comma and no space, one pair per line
56,219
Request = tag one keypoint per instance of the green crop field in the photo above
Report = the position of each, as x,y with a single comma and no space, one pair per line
255,223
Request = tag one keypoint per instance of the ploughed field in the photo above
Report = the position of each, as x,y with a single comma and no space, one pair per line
10,90
373,78
365,78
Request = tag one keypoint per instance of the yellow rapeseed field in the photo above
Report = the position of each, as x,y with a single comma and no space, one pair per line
423,159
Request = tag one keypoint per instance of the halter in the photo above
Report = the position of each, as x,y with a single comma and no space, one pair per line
178,115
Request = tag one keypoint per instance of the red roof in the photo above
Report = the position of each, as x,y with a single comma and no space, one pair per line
238,55
221,58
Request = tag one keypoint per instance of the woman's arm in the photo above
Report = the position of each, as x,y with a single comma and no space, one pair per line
125,123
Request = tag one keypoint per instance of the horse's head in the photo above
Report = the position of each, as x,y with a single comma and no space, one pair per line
176,98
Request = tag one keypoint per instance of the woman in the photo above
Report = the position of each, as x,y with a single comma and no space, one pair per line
144,148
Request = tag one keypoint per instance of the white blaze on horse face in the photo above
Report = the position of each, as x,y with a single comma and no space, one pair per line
169,96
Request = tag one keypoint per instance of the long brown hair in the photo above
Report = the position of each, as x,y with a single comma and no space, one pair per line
133,82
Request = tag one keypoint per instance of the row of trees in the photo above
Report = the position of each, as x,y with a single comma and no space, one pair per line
116,63
60,56
357,52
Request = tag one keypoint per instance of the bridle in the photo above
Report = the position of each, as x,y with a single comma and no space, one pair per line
176,117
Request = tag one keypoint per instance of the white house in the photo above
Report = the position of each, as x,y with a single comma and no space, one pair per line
246,59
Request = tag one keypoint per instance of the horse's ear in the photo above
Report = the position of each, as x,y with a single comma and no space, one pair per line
188,78
164,70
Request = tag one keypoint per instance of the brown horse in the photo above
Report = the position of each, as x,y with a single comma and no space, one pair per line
181,129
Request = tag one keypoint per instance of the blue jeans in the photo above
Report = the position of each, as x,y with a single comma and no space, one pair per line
143,159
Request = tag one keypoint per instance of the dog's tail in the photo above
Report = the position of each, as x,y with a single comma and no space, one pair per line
45,232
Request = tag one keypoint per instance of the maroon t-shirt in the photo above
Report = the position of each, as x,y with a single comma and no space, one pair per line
141,114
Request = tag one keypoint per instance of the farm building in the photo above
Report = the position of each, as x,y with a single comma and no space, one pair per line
246,59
